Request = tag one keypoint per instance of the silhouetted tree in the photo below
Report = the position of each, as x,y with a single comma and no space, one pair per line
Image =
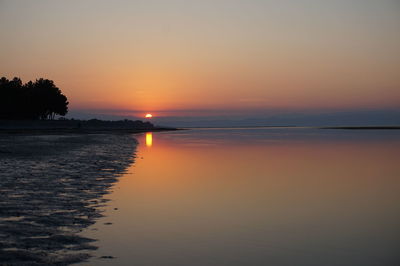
34,100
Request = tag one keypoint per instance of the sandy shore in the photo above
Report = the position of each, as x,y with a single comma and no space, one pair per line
51,188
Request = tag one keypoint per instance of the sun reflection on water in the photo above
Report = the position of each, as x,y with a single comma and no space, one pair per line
149,139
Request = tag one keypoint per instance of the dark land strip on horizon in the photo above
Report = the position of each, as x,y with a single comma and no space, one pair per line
364,127
93,126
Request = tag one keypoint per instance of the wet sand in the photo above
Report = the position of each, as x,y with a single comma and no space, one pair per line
51,188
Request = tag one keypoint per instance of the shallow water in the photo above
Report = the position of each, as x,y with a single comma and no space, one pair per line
260,196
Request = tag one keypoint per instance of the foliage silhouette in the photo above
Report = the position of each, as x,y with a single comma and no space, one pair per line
33,100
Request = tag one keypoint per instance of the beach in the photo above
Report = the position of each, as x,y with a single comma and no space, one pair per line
51,188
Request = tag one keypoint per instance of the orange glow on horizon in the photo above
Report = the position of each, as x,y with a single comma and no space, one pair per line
190,71
148,116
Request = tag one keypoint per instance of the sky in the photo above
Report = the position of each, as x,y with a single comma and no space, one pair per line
209,58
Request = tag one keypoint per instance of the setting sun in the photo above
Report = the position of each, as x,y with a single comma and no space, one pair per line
148,116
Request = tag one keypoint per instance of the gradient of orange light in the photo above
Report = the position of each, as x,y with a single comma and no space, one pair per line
228,60
335,169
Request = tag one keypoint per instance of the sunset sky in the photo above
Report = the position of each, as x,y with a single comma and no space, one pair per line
181,58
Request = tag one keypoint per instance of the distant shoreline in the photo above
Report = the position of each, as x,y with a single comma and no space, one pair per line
364,127
93,126
82,131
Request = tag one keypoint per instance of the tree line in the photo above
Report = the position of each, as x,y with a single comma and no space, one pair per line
41,99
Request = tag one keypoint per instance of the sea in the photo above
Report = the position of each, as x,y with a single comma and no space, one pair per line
254,196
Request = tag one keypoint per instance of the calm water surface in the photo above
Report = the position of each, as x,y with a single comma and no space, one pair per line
256,197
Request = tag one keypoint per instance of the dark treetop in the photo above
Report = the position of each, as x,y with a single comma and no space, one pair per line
33,100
